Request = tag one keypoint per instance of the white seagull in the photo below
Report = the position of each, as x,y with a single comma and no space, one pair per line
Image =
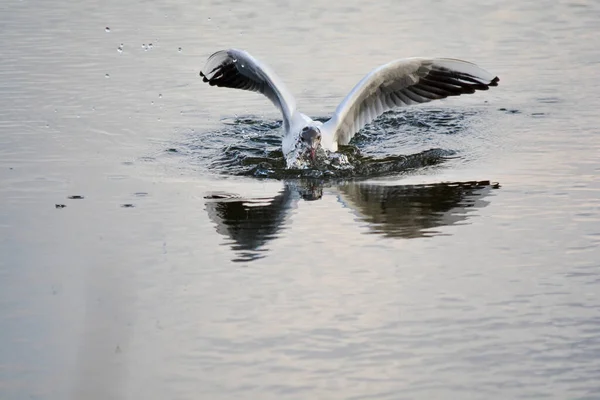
399,83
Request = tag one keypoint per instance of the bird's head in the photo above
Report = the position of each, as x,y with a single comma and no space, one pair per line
310,139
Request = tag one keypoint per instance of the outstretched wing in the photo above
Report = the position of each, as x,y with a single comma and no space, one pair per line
402,83
239,70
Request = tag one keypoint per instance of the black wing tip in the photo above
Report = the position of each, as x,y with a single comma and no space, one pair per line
457,83
204,78
486,86
220,73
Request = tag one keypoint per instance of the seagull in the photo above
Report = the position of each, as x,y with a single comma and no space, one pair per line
400,83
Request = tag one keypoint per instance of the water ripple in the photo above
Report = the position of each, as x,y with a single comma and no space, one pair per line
397,142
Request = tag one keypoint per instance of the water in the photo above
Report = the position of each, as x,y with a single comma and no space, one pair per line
181,274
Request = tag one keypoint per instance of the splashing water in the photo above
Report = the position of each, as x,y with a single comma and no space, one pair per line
397,142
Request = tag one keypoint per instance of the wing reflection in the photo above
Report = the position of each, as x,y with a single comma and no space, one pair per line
401,211
410,211
251,223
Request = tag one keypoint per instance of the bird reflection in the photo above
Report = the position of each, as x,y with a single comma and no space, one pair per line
411,211
400,211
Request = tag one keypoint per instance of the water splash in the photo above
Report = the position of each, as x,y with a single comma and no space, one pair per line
398,142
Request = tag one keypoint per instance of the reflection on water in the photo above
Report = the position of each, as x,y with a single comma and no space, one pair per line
250,223
411,211
400,211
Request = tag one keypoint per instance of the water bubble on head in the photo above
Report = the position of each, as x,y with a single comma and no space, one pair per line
106,75
107,29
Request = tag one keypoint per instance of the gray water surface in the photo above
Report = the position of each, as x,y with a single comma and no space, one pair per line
177,275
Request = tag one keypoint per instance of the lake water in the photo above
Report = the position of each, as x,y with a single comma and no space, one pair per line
176,276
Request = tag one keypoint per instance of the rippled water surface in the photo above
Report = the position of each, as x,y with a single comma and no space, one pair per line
151,246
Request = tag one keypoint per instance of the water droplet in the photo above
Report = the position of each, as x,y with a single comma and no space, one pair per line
149,46
152,102
120,48
160,96
106,75
209,18
159,118
179,50
144,46
107,29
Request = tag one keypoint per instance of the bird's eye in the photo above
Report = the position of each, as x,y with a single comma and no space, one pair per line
305,129
302,138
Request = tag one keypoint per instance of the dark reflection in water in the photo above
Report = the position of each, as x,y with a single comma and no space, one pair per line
400,211
250,223
411,211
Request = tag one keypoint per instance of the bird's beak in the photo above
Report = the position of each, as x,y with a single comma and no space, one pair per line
313,153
